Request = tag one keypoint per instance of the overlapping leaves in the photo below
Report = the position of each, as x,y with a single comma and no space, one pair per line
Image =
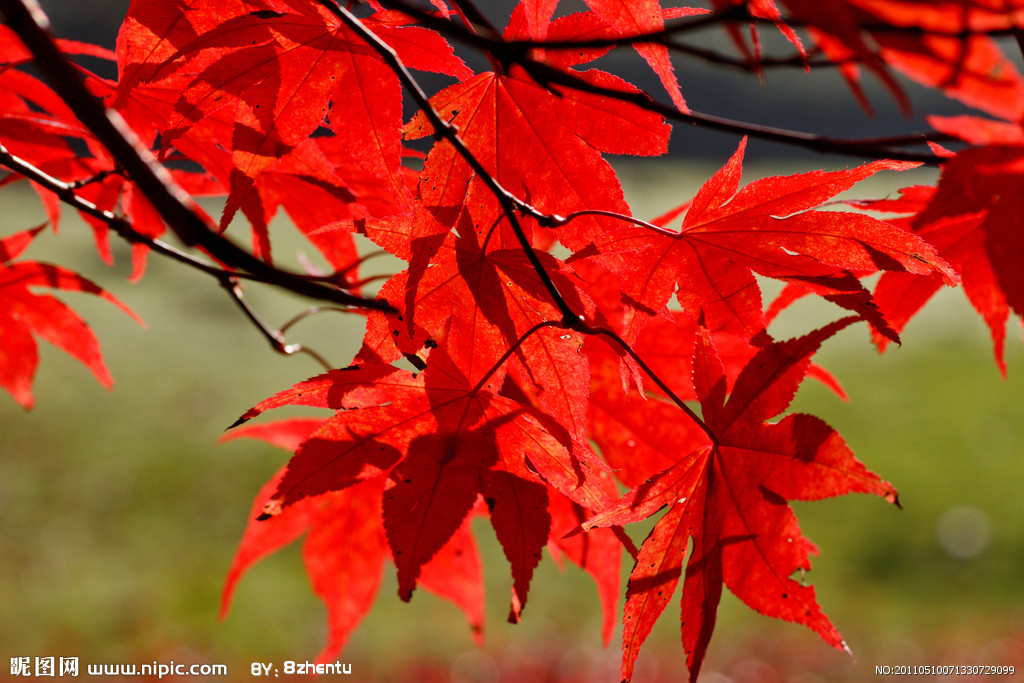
441,444
521,359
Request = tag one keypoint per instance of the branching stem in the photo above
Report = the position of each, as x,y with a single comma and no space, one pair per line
680,403
518,52
512,349
511,206
445,130
276,338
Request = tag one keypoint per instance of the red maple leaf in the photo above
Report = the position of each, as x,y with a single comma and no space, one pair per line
278,71
768,227
345,548
23,313
973,218
482,292
441,443
730,497
38,127
637,17
598,552
544,147
519,354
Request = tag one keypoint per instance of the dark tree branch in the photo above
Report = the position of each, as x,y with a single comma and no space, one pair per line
893,29
734,14
227,279
664,37
66,193
517,52
859,148
675,27
173,204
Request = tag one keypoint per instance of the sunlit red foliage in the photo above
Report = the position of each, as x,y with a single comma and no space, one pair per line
546,359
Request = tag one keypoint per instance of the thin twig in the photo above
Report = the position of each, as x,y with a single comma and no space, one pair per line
657,380
512,349
276,338
98,178
620,216
903,30
735,14
308,313
547,75
444,130
227,279
66,193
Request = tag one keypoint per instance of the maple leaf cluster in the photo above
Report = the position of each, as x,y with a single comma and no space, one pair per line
546,359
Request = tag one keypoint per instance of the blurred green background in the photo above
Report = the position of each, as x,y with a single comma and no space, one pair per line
121,514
